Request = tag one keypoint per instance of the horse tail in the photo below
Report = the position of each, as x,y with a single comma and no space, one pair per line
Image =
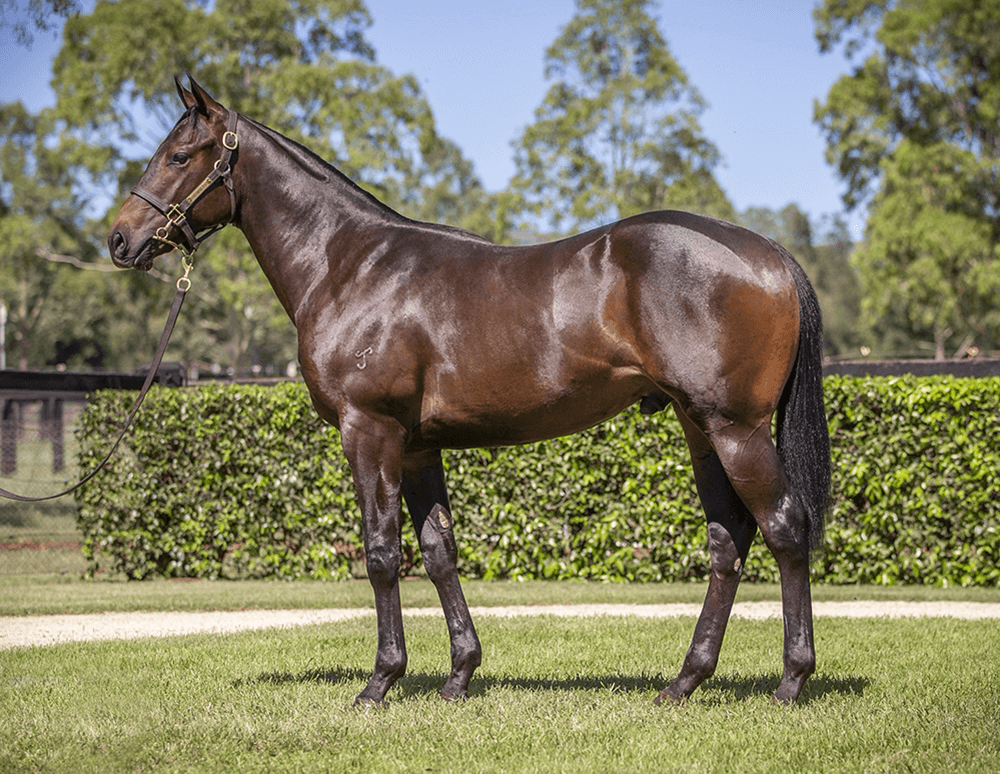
803,436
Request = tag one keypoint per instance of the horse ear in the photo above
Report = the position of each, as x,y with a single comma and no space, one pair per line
206,103
186,96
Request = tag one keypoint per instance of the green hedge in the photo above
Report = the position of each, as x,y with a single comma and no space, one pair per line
248,482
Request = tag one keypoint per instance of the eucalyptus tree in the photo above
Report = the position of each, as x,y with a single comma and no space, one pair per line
617,132
913,130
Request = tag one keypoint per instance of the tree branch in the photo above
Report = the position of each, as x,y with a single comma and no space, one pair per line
76,262
56,258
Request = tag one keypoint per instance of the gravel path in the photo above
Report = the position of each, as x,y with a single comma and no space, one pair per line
26,631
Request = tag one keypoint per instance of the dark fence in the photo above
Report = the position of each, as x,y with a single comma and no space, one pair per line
978,368
39,406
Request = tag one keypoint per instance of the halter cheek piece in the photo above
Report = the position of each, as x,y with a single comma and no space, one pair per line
176,214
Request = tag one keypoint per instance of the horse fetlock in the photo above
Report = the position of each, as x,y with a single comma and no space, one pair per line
800,664
699,665
466,659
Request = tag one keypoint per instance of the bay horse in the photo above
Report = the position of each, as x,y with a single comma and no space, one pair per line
415,337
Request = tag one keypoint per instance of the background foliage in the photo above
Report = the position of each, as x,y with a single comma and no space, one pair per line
246,481
913,131
617,132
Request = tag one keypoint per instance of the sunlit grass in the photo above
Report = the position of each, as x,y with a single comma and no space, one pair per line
552,695
48,594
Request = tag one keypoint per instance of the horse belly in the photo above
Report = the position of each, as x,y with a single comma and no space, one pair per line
523,410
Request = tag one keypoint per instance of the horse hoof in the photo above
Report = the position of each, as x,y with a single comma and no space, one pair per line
463,696
665,698
366,703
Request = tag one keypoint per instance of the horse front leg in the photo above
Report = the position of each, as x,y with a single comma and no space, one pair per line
731,530
374,450
426,498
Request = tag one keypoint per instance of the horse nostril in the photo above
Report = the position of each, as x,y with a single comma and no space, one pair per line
118,245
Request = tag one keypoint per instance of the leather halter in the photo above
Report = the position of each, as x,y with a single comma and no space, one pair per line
176,214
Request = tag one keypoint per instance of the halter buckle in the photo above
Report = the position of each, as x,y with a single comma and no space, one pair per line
174,215
230,141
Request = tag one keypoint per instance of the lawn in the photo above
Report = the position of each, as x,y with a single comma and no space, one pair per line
553,694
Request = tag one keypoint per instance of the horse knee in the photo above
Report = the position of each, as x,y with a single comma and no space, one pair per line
382,564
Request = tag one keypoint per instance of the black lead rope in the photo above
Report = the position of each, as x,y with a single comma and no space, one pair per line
183,285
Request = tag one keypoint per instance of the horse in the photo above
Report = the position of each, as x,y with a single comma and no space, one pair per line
415,337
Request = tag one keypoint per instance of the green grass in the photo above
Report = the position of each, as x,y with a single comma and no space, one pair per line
50,594
553,695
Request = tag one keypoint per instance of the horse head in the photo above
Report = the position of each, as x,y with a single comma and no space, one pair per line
184,188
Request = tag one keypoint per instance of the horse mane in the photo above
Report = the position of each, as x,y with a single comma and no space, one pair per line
308,161
320,169
313,164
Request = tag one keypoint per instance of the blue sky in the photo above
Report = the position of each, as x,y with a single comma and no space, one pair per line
481,62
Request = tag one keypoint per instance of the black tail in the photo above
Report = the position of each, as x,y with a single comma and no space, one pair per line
802,432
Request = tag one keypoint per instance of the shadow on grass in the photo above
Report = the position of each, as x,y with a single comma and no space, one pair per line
717,691
725,689
335,675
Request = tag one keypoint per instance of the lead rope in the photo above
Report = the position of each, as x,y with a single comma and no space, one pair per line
183,286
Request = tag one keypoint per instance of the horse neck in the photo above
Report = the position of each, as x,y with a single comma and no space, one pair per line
295,209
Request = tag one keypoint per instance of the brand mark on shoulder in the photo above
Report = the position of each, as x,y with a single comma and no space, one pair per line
362,355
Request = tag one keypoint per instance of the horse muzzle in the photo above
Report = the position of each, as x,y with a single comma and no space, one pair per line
123,254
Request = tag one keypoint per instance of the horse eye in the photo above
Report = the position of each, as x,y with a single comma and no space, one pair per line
180,158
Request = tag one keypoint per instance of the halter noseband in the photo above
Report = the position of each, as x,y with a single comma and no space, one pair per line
176,214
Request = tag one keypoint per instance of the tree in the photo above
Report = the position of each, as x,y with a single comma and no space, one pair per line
39,16
40,220
914,131
617,132
824,254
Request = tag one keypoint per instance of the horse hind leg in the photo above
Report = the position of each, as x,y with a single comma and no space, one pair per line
754,469
731,530
426,498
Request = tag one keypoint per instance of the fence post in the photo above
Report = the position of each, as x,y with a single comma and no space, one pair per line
9,416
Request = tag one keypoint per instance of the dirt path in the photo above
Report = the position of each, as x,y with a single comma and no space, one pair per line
25,631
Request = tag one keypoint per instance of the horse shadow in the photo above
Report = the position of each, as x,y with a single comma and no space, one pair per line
716,691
